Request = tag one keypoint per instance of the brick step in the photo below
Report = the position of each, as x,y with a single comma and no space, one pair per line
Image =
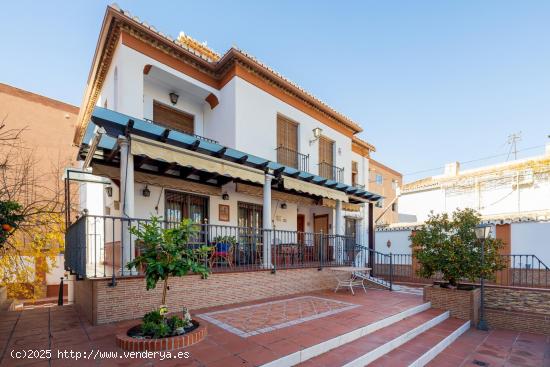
313,351
371,347
424,347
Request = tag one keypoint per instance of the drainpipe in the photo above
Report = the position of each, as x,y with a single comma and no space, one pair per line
268,233
127,202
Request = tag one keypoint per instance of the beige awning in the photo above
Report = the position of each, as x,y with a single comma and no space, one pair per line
187,158
161,181
313,189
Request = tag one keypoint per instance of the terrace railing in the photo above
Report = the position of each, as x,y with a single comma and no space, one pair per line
521,271
292,158
99,247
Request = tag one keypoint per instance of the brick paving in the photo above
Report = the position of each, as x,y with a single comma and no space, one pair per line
496,348
61,328
265,317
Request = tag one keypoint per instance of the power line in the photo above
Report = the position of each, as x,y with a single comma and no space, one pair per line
474,160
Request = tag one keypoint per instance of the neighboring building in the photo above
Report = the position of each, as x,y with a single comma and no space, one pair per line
180,131
514,197
47,136
385,182
510,189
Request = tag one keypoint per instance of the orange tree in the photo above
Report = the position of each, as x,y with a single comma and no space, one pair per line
448,245
166,252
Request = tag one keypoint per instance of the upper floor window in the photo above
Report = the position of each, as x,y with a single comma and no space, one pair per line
326,159
287,142
379,179
173,119
354,173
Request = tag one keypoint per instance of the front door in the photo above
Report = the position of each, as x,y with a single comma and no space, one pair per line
320,227
301,227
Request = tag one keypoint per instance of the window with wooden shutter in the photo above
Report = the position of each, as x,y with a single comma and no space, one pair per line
173,119
354,173
326,157
287,142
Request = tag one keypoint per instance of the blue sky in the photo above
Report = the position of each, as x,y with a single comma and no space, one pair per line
430,81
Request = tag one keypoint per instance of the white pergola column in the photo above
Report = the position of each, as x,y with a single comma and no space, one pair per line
268,234
126,201
339,246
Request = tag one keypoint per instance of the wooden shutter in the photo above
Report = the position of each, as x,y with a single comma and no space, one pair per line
173,119
287,142
354,173
287,133
326,150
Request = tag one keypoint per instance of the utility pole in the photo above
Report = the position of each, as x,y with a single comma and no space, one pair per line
512,141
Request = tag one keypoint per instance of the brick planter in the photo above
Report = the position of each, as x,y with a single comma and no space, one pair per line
462,304
128,343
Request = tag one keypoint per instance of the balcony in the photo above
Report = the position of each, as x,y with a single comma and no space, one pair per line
292,158
331,172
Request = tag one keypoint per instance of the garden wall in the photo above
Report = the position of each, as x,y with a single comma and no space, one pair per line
518,309
101,304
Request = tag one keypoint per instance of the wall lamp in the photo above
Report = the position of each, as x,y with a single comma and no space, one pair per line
225,196
316,134
283,206
174,98
109,191
146,192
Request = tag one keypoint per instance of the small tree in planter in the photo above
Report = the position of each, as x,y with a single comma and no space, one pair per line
165,253
448,244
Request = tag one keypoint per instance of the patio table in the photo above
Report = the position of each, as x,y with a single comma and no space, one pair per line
352,280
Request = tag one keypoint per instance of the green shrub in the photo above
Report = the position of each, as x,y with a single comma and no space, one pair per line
448,244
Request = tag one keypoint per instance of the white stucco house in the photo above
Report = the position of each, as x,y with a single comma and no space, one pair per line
170,128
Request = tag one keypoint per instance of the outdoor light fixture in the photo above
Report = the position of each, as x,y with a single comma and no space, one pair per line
225,196
283,206
174,98
388,243
316,134
146,192
109,191
482,234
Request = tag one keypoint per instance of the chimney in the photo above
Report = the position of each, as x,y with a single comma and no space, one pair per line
451,169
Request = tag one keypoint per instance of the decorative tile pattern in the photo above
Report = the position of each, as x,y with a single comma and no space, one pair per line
264,317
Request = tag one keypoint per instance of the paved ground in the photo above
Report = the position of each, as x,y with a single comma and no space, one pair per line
311,319
496,348
61,328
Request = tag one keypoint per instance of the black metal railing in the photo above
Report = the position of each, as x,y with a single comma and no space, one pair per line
292,158
520,271
100,246
331,172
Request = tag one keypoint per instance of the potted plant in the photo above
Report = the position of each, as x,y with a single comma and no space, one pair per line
165,253
447,245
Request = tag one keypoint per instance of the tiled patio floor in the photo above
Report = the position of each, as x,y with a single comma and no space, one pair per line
496,348
257,319
61,328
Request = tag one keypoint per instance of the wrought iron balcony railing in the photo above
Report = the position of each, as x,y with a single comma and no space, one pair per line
331,172
292,158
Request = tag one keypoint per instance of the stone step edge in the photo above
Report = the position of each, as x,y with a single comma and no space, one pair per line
323,347
439,347
387,347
